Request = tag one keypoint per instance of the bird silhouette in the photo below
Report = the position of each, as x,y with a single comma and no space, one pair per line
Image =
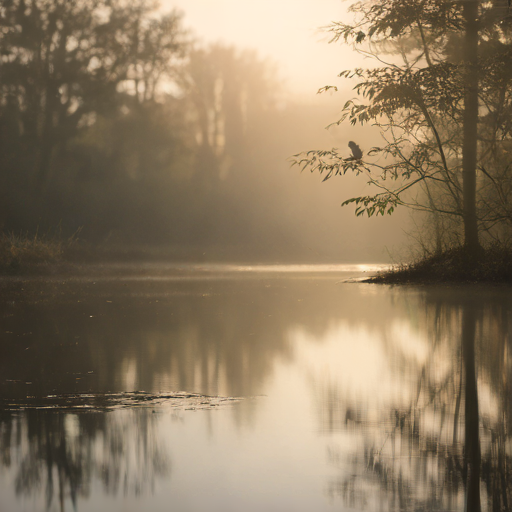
356,150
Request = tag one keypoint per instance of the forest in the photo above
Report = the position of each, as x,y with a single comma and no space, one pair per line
120,129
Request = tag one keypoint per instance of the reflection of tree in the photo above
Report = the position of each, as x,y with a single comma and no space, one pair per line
472,456
59,454
414,456
183,335
219,337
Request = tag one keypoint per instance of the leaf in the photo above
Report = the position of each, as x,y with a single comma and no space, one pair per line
326,88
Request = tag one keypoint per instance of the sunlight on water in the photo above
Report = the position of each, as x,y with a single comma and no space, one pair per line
349,359
162,270
306,268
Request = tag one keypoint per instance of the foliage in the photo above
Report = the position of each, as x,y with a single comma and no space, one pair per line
417,96
493,265
63,63
19,251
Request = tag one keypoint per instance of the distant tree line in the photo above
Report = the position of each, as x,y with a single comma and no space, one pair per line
113,121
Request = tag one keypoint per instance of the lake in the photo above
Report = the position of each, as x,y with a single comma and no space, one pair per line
266,387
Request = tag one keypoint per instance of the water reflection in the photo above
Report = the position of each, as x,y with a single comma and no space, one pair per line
206,336
433,450
59,455
411,392
211,337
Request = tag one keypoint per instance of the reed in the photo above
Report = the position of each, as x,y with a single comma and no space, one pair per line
21,252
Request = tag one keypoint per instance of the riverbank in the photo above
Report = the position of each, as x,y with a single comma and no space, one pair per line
24,256
40,255
492,265
54,255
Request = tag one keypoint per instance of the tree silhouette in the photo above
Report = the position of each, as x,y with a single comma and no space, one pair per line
440,110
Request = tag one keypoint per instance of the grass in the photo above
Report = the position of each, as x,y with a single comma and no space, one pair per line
20,253
491,265
24,254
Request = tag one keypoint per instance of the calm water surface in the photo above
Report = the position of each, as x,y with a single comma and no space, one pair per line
265,388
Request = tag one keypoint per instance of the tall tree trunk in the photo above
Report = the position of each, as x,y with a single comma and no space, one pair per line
469,149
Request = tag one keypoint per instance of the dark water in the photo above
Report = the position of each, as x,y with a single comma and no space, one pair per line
264,388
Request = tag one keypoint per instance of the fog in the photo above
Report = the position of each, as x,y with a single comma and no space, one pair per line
148,132
185,310
289,32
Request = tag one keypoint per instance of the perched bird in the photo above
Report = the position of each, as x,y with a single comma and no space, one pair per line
356,150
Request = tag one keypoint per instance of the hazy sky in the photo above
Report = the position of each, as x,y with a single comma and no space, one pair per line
288,31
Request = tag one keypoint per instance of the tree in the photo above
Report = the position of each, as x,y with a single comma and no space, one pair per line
441,112
228,91
74,75
63,62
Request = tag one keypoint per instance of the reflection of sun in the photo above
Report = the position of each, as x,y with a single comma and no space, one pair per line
408,341
349,357
71,426
129,375
356,361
